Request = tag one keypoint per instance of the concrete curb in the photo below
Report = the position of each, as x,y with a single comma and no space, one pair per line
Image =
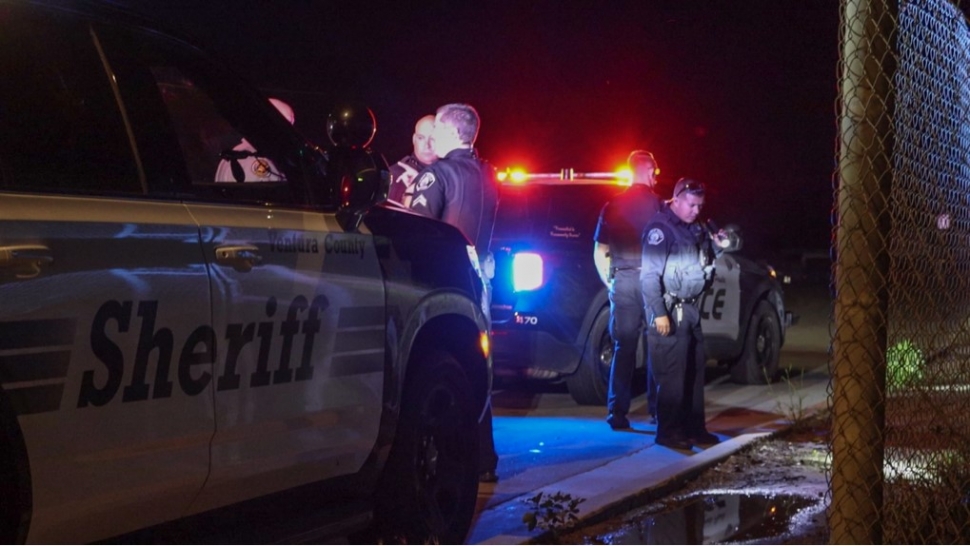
609,490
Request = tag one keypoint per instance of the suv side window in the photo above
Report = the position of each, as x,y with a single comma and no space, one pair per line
60,126
201,131
188,113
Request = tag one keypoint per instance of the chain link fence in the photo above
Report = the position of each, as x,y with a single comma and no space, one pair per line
900,390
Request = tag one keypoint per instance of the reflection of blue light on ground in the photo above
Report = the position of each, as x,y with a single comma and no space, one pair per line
523,444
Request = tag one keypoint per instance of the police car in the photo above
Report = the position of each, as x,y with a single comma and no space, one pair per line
551,312
180,354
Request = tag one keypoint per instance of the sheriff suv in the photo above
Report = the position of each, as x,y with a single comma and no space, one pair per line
191,360
551,312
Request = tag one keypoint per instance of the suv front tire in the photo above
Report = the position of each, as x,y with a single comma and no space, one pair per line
429,487
758,363
589,386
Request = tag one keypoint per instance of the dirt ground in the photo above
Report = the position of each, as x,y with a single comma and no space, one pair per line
790,465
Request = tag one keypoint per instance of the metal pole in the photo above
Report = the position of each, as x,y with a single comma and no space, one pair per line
861,273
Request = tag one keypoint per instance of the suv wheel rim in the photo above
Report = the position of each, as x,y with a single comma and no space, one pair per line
606,354
763,341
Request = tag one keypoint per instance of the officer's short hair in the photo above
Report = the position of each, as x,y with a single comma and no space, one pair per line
464,118
641,158
688,185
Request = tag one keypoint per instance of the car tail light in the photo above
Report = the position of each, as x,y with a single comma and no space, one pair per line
526,271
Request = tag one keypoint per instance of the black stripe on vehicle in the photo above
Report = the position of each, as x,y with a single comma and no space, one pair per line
34,367
39,399
361,340
25,334
355,317
356,364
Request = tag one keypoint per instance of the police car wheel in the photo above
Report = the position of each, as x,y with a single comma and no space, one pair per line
589,385
758,363
430,485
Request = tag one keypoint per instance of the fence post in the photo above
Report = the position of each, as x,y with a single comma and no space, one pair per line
861,270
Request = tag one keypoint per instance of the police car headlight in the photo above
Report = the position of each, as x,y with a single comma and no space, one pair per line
526,271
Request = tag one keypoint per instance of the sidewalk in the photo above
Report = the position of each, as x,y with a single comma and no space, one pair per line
562,448
546,443
650,473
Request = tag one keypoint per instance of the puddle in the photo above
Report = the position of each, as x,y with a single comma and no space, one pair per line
713,518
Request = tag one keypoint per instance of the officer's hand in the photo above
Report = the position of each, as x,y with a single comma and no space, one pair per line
722,239
662,324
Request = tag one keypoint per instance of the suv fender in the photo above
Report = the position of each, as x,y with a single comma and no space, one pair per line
437,379
450,321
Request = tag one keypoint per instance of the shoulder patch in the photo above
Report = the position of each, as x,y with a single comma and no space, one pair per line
655,236
426,180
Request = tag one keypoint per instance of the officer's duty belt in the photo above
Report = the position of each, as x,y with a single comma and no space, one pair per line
674,300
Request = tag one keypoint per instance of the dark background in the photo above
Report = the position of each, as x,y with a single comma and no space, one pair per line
739,94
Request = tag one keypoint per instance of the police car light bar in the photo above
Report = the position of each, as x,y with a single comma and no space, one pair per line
520,176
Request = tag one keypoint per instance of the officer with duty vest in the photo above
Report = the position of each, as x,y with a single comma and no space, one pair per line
460,189
677,267
616,254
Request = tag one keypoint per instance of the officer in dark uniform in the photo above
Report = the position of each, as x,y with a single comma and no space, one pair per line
677,267
617,256
461,189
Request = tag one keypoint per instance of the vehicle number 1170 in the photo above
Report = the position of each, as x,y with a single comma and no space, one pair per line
528,320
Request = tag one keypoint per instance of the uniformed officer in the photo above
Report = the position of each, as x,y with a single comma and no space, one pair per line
461,189
677,267
616,253
406,170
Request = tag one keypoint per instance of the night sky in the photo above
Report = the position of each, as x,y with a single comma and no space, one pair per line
739,94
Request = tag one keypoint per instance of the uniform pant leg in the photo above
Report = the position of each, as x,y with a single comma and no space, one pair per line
626,327
697,362
487,456
651,380
668,355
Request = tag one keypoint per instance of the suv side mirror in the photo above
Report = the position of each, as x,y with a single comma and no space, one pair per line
363,174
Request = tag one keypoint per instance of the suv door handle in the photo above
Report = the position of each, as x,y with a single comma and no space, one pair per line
242,258
26,261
